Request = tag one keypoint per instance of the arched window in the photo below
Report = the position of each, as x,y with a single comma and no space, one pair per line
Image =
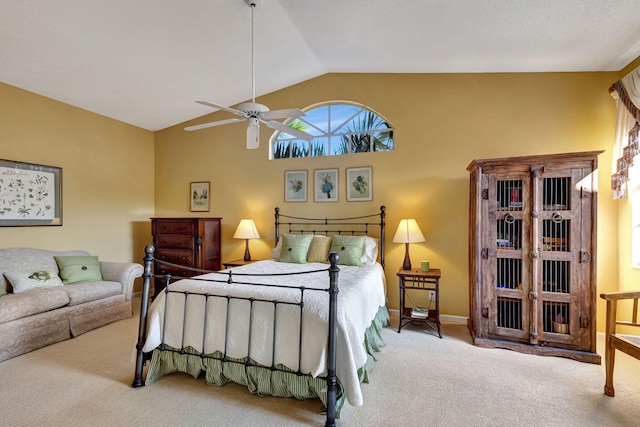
338,128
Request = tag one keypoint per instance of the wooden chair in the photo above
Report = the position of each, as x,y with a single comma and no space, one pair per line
629,344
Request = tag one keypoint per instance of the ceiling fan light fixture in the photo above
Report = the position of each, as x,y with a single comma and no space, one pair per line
253,133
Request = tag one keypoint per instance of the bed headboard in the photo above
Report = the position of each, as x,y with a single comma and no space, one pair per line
366,225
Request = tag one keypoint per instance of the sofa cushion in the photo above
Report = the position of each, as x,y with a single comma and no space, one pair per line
90,291
22,281
17,306
24,259
78,269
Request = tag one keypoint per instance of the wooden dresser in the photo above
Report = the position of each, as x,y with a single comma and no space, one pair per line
191,242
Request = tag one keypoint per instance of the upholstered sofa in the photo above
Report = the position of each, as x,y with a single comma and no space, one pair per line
40,316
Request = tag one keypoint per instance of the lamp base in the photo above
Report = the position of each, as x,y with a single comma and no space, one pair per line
247,255
406,265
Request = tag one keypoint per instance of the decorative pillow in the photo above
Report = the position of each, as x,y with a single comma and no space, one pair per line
76,269
23,281
295,248
349,248
319,249
370,252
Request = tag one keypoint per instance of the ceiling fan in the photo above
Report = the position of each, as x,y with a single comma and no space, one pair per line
255,113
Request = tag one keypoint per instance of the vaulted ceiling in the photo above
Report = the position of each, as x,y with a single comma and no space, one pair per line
145,62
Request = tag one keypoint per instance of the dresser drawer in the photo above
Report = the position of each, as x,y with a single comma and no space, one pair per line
176,256
174,241
175,227
161,269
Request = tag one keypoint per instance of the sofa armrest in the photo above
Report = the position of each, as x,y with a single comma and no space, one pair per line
122,272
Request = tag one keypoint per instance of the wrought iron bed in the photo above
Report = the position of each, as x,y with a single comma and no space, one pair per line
249,306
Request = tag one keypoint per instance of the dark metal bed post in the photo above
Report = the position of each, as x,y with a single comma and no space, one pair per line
332,380
383,214
144,307
277,215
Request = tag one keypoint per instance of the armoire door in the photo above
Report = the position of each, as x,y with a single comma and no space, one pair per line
562,263
506,247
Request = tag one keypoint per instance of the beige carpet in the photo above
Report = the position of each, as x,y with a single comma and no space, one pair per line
418,380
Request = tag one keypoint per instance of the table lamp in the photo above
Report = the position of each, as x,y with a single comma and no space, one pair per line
246,230
408,232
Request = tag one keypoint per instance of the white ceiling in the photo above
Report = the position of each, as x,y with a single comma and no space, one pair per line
145,62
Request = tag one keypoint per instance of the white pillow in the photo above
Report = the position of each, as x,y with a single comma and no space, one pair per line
23,281
275,252
370,252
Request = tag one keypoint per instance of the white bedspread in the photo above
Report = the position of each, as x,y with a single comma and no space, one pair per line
361,294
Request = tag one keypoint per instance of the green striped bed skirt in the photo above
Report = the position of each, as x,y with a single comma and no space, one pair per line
259,379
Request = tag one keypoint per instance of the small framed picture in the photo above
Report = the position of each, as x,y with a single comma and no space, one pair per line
295,186
325,185
359,184
200,196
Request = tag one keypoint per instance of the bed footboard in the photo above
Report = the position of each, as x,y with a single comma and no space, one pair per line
332,393
144,310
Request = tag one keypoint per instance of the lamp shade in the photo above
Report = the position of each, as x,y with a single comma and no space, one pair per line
408,232
246,230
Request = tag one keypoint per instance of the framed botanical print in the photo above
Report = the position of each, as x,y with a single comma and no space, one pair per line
200,196
295,186
359,184
325,185
30,194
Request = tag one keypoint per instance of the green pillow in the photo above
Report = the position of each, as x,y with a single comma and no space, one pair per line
349,248
295,248
76,269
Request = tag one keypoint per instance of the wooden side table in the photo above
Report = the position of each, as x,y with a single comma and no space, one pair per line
425,281
237,263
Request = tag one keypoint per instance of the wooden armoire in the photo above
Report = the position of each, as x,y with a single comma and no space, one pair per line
532,254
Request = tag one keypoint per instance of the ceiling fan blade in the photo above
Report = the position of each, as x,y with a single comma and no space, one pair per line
291,131
221,107
253,134
212,124
289,113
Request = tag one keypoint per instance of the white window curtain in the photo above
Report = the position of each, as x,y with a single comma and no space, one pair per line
626,92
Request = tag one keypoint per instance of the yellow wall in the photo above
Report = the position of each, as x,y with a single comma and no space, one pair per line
107,175
442,122
115,177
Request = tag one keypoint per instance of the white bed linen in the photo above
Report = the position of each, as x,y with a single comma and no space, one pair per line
361,294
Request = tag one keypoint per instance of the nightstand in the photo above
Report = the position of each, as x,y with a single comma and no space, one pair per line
424,281
237,263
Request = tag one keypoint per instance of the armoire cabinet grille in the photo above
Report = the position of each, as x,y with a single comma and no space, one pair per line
532,277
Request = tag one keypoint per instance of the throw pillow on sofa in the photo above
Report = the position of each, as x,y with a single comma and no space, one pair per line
77,269
23,281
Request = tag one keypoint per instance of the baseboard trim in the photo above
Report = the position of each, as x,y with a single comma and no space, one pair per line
449,318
